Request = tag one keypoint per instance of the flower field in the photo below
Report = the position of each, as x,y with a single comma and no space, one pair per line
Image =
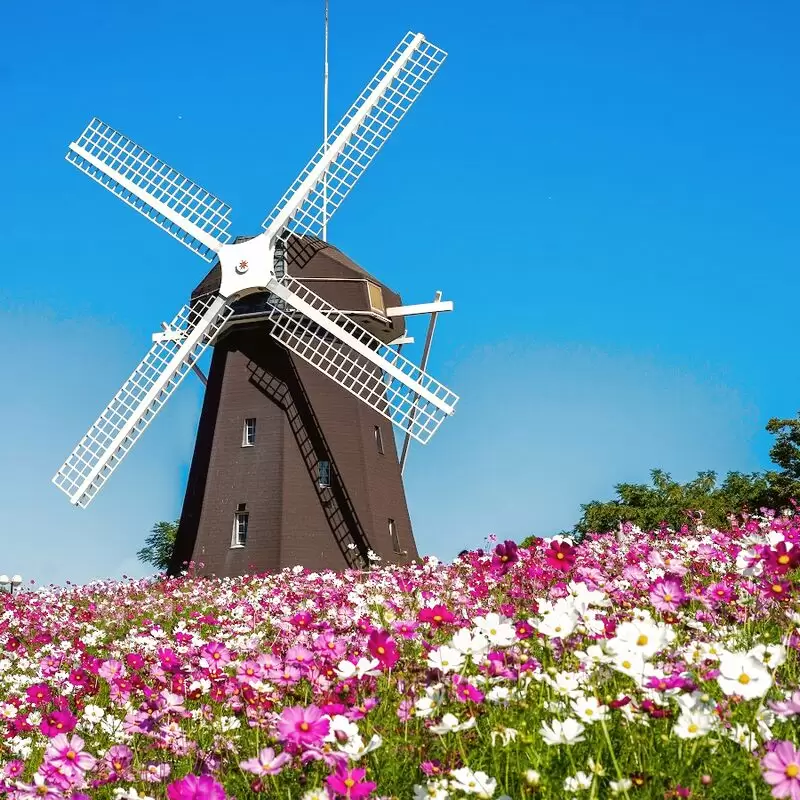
636,665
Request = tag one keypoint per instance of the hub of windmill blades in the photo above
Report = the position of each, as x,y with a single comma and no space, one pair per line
359,362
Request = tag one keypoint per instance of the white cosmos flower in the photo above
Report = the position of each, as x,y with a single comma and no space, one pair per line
569,731
341,729
579,783
589,709
641,636
557,624
470,643
450,724
445,659
432,790
693,724
498,630
743,736
365,666
744,675
771,656
356,749
620,786
425,706
628,663
749,563
506,735
498,694
93,713
469,782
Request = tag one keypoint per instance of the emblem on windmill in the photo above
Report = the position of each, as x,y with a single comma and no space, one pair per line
291,463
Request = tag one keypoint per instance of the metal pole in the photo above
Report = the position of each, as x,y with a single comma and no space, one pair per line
325,130
426,351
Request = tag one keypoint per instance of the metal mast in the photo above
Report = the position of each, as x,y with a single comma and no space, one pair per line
325,129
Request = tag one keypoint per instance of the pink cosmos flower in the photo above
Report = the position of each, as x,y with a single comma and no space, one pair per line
194,787
299,656
561,556
118,759
58,722
303,726
436,616
349,783
406,628
782,770
382,647
39,694
112,670
69,754
40,789
267,763
666,594
505,555
214,656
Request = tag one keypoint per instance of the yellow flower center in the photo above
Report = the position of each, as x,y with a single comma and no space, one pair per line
793,770
559,556
626,664
784,559
667,598
777,588
304,726
692,728
349,783
641,641
744,678
71,754
381,649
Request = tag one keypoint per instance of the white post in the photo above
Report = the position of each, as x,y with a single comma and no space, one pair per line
325,130
426,351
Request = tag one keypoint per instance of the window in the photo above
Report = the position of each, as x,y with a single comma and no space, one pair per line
324,474
375,294
240,522
394,537
379,439
249,432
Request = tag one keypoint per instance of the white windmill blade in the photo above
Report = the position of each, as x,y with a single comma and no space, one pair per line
341,160
185,210
141,397
358,361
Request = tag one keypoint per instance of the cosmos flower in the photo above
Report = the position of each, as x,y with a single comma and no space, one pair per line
743,675
560,556
383,647
350,783
266,763
194,787
781,770
570,731
303,726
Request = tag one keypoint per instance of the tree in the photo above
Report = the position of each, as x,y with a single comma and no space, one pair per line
159,544
667,501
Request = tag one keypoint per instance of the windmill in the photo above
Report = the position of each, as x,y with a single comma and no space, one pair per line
301,381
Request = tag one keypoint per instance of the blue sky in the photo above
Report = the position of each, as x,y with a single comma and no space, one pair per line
606,190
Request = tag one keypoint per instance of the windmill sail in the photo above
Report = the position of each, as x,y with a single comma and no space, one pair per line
327,179
186,211
141,397
358,361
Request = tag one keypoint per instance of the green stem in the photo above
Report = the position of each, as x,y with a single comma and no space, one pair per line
614,761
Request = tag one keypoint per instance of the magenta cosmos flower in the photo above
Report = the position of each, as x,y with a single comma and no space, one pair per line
782,770
68,754
350,783
382,647
196,787
560,555
303,726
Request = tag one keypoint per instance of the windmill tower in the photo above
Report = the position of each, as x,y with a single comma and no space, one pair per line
294,461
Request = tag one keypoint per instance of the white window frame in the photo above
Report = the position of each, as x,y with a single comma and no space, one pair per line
324,480
396,547
238,517
247,439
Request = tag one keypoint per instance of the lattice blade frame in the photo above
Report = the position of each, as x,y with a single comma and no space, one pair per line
195,217
329,176
358,361
141,397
